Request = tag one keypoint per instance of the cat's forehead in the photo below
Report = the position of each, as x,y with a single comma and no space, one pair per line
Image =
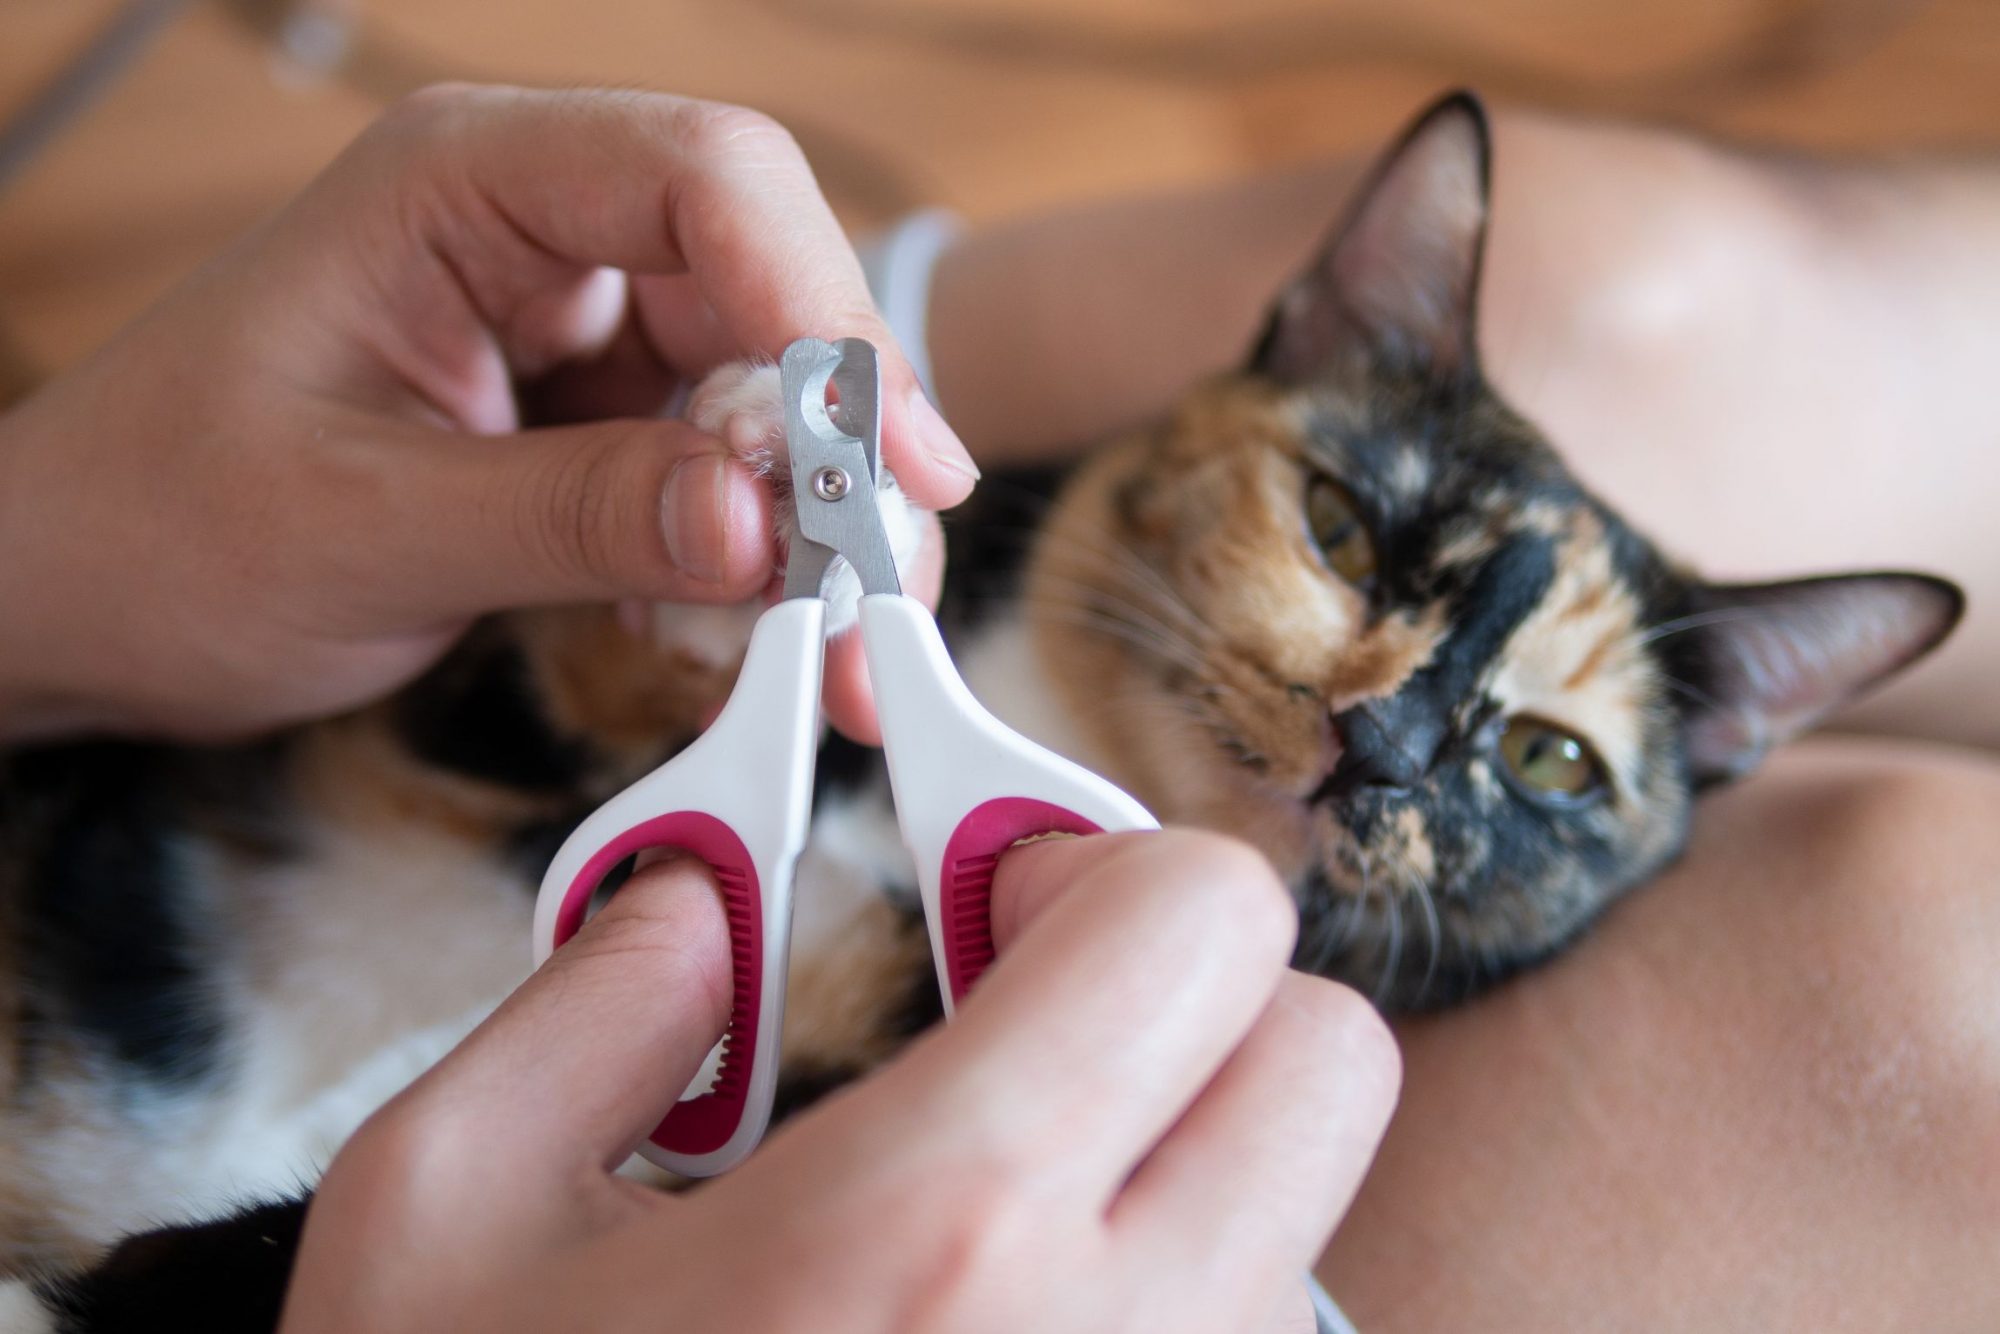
1418,454
1449,484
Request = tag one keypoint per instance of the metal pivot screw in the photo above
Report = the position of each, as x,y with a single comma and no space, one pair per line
830,484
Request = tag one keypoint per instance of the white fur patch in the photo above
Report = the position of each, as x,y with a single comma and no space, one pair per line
713,636
1000,668
21,1312
854,852
344,976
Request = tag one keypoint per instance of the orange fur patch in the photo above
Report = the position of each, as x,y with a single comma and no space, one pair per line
839,998
601,680
1577,659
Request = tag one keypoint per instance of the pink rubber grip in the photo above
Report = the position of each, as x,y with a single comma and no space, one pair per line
965,889
702,1124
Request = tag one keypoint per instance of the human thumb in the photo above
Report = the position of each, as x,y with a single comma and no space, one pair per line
598,511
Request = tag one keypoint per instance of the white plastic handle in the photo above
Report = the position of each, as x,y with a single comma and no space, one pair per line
739,797
967,787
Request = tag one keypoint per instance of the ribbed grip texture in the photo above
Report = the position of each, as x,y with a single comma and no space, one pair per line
705,1123
965,882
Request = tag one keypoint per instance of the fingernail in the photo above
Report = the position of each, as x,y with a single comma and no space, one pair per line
938,439
695,516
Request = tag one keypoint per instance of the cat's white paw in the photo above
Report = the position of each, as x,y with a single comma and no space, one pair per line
742,404
713,637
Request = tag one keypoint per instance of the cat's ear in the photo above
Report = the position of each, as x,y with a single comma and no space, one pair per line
1394,289
1773,659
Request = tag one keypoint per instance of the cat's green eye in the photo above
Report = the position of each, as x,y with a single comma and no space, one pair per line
1549,762
1334,521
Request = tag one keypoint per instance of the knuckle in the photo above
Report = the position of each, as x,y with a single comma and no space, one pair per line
860,319
1240,884
570,513
403,1156
985,1235
730,152
422,130
1359,1045
430,111
724,132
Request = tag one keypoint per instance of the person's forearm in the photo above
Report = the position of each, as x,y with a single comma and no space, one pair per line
39,696
1053,331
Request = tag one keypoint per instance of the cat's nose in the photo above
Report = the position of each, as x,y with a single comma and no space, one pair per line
1381,747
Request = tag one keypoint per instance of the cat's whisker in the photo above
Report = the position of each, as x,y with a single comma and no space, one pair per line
1696,620
1088,596
1420,887
1344,926
1354,920
1389,948
1158,602
1114,572
1347,931
1138,636
1108,544
1392,953
1147,707
1328,909
1115,558
1119,623
1122,559
1680,687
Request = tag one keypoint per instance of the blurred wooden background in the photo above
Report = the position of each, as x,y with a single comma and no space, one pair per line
990,106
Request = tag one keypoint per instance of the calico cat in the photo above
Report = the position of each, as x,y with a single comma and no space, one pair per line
1344,603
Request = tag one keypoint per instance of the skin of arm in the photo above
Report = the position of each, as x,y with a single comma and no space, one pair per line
1763,1095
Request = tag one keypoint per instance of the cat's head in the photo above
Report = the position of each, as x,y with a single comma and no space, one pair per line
1348,604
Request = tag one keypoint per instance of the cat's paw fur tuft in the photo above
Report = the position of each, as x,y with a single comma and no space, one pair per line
742,405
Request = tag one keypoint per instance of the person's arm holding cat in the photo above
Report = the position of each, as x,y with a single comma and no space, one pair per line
430,388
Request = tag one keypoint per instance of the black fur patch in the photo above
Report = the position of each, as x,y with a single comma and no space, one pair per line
225,1277
844,767
921,1006
989,538
108,938
242,796
803,1085
476,713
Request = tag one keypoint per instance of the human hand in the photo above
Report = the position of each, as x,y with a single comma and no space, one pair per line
289,486
1139,1120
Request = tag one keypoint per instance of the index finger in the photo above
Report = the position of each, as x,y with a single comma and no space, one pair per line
655,184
